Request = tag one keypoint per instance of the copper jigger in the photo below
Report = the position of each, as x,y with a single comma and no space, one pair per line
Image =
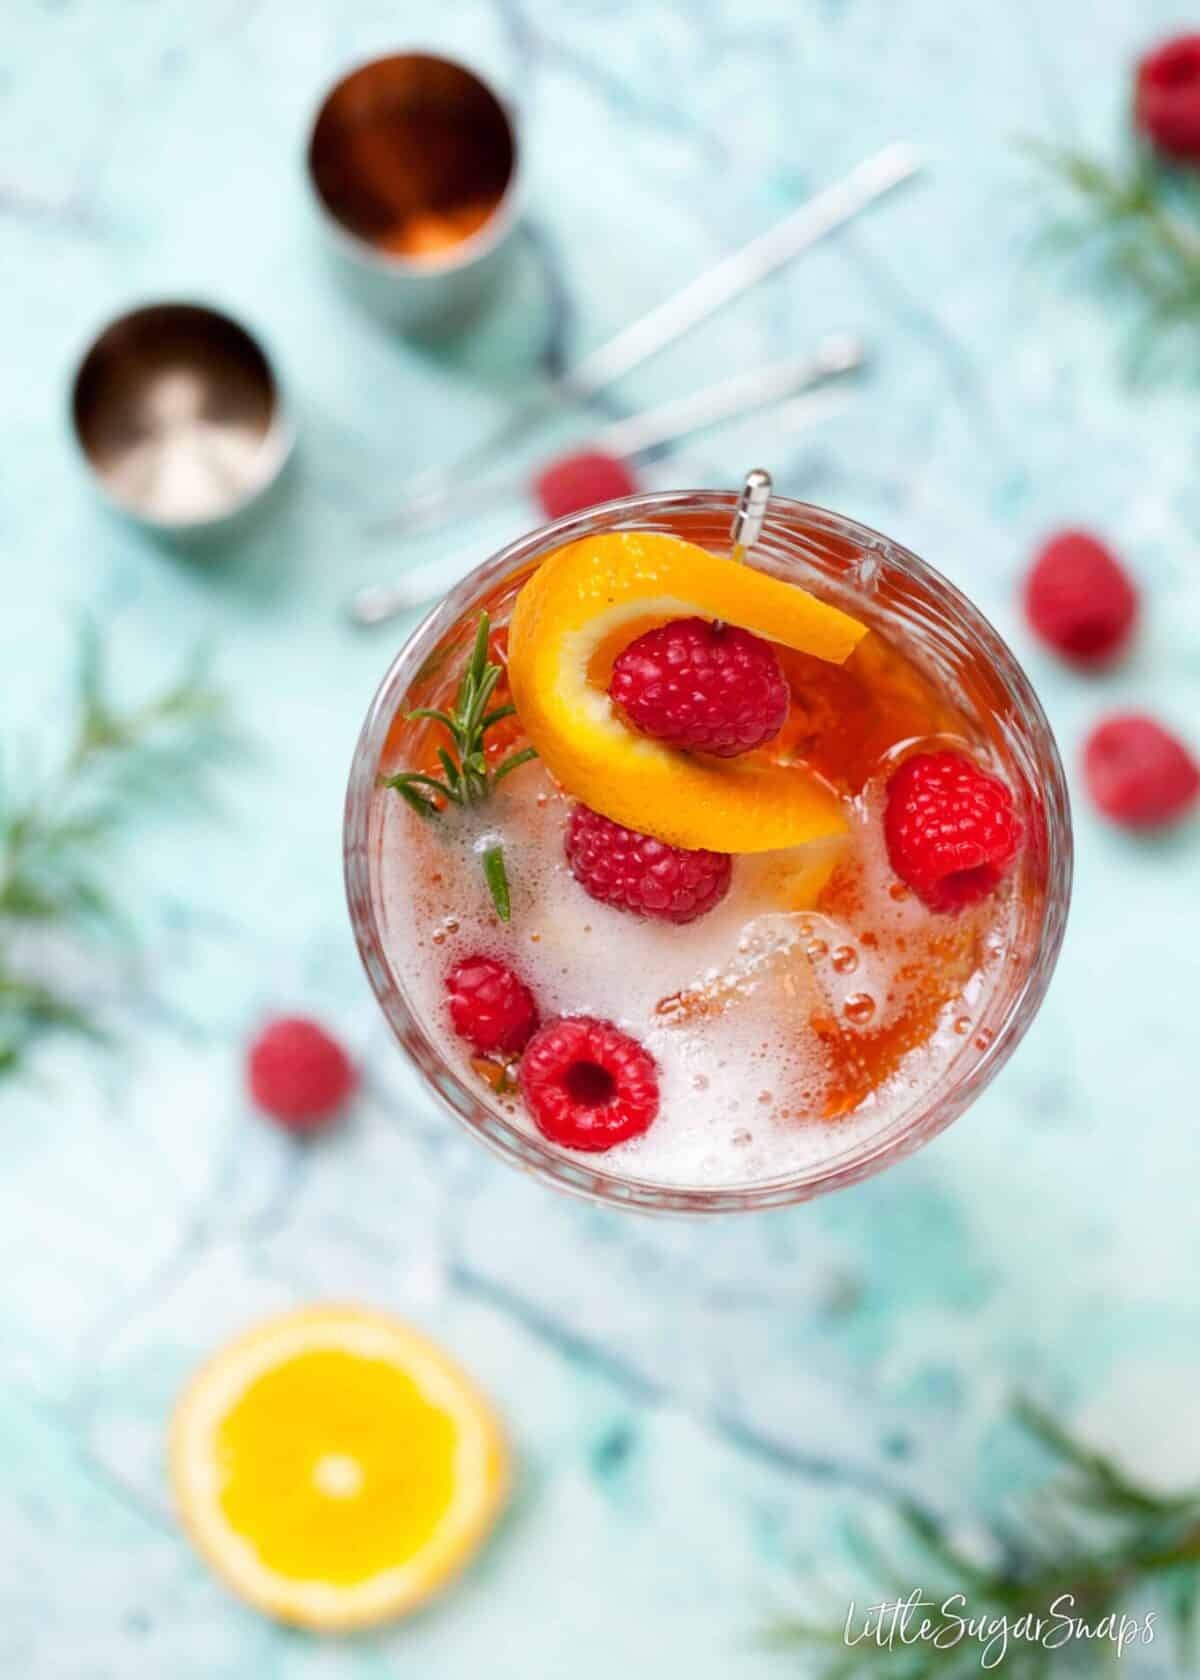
413,162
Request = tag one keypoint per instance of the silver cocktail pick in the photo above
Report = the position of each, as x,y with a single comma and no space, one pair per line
750,512
424,497
837,355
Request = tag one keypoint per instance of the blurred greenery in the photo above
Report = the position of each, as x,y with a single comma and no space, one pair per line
1139,220
57,825
1091,1535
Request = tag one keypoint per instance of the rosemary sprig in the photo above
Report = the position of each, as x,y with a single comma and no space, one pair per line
466,776
1142,220
1089,1540
53,830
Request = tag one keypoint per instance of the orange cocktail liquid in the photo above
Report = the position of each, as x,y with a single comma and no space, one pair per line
811,1008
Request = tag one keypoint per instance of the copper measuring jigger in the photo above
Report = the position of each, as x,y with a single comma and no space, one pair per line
413,162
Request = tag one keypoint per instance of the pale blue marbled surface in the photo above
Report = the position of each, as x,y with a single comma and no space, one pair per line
697,1407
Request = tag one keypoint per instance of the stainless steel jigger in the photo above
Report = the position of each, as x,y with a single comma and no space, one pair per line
180,419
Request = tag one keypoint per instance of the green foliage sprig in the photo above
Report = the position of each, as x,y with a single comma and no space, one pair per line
1141,220
1091,1535
466,777
55,828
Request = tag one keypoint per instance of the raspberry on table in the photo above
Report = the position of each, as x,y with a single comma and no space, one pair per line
1139,774
704,687
635,872
952,833
587,1084
1079,599
1166,100
577,482
490,1006
298,1074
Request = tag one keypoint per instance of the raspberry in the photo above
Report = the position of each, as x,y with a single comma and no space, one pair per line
298,1074
588,1085
635,872
490,1006
580,481
1138,774
1166,100
706,687
951,830
1079,599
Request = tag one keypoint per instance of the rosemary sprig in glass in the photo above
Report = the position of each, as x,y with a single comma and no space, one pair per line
54,828
1141,218
466,776
1092,1536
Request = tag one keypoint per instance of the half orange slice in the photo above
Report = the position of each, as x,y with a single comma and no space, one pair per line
335,1467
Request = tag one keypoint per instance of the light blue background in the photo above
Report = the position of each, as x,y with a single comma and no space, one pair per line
697,1407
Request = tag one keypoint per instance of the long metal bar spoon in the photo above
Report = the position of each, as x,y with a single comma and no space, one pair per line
836,356
427,496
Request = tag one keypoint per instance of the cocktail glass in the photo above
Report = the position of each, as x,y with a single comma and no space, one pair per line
876,580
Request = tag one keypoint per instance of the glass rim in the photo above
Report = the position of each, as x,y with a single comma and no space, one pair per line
935,1108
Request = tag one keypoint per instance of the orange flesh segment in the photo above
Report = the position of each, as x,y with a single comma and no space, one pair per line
314,1477
570,620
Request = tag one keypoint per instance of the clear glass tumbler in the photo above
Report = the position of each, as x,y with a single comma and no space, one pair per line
878,581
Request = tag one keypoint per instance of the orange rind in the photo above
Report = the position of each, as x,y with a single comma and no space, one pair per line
571,619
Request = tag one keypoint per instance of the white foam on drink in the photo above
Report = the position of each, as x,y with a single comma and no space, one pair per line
740,1083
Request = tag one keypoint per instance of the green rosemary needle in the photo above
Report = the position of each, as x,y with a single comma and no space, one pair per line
466,777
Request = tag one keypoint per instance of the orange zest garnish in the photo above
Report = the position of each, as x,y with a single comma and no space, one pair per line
571,618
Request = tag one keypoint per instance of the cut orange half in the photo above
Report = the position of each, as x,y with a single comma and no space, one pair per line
335,1467
576,612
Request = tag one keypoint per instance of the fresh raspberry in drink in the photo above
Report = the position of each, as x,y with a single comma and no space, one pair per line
1166,103
635,872
705,687
1139,774
587,1084
578,482
298,1074
1079,598
952,833
490,1006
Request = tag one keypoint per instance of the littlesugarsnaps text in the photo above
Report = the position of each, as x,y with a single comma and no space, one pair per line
920,1620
